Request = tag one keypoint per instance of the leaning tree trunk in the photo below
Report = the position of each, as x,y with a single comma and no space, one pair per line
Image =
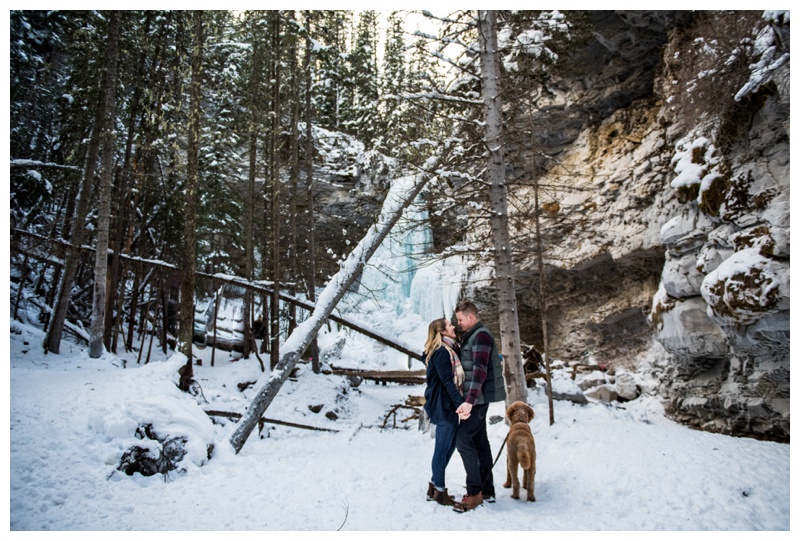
401,194
186,319
513,369
96,346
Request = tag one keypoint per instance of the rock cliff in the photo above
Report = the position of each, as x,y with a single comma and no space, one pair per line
666,206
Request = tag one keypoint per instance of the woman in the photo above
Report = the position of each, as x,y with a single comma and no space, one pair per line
443,394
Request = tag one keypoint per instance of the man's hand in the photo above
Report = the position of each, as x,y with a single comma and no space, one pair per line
464,410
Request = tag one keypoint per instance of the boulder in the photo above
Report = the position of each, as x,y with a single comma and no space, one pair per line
626,387
604,393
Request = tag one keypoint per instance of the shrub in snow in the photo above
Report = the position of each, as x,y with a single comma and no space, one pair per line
155,454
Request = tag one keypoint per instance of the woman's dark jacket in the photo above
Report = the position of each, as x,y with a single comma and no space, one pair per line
441,395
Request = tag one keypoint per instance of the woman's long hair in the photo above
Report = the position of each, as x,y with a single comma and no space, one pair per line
434,341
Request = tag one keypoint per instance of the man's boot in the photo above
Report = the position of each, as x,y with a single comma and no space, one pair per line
468,503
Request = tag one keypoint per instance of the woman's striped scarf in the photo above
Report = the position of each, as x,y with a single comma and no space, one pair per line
458,371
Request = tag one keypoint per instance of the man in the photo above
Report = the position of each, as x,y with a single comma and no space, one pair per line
483,379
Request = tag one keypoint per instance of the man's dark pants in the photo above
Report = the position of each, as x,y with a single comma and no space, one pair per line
472,443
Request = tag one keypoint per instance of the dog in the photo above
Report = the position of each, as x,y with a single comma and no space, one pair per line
521,450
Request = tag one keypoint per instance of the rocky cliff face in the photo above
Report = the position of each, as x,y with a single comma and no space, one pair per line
668,253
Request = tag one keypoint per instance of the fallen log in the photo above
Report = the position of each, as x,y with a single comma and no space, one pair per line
587,368
236,416
406,377
533,375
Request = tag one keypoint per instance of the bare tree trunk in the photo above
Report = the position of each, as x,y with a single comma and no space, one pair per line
23,279
274,350
55,330
401,194
513,370
96,346
537,212
309,163
186,322
254,111
216,313
249,227
135,293
294,146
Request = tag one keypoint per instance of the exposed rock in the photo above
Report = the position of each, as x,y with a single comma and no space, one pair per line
626,387
685,330
566,389
604,393
575,397
674,227
334,351
592,379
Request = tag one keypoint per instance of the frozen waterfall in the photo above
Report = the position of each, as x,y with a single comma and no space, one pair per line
404,278
402,289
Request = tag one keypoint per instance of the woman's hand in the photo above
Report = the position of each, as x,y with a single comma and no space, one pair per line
464,410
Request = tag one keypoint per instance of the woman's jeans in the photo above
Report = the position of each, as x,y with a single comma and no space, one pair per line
443,449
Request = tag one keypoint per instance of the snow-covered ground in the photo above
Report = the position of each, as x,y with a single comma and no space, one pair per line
599,467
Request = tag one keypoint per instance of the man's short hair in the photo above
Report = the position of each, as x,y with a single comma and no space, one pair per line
467,307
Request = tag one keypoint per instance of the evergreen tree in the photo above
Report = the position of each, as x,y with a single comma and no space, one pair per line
330,88
220,232
362,113
393,85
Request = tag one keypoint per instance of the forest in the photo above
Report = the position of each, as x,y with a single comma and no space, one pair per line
160,157
186,138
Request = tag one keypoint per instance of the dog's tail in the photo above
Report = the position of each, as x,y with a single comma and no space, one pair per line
524,455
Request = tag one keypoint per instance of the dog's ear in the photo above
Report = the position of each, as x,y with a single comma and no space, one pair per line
530,413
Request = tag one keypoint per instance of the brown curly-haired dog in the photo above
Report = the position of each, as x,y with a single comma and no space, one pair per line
521,449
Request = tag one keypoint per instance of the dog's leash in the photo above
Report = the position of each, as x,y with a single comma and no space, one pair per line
500,451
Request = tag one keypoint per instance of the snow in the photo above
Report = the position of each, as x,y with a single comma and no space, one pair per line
689,168
599,467
765,45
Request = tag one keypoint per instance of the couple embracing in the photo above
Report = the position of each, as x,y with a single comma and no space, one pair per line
462,380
